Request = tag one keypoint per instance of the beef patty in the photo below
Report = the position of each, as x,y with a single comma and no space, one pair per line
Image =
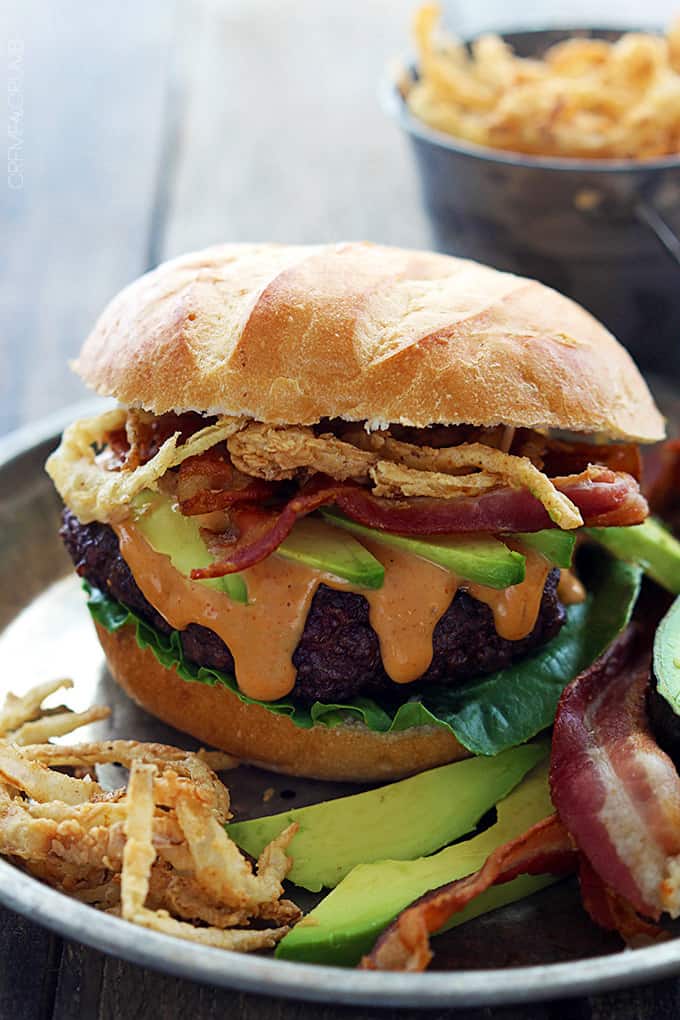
338,655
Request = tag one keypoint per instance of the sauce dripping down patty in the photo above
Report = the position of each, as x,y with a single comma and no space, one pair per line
262,636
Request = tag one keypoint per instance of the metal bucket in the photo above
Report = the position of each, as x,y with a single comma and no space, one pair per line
605,232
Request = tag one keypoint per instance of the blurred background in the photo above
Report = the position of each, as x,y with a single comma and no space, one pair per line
137,130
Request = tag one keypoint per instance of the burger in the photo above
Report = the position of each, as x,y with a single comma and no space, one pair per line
330,526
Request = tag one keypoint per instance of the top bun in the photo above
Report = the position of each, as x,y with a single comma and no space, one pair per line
291,334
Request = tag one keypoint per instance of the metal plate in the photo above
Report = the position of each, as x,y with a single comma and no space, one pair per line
543,947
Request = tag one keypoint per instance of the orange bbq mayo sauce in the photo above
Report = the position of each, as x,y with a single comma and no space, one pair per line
263,635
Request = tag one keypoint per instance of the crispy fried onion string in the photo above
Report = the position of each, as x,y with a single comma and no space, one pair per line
92,492
396,468
236,466
277,452
220,870
394,480
156,853
20,710
261,455
125,752
516,471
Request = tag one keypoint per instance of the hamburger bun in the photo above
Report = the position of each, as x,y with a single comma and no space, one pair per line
294,335
291,334
216,716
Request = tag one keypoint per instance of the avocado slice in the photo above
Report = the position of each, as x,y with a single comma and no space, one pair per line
172,533
441,805
650,545
555,545
484,560
667,657
325,548
347,922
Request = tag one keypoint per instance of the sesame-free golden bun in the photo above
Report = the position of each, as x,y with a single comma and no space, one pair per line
216,716
292,334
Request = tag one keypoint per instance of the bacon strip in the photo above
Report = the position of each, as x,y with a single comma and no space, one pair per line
618,801
615,790
611,912
142,439
662,481
560,458
603,497
405,945
211,482
259,532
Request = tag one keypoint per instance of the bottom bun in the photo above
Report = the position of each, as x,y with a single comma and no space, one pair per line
217,716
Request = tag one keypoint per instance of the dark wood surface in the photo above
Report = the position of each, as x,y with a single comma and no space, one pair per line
147,129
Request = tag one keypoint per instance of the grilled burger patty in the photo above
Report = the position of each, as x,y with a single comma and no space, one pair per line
338,655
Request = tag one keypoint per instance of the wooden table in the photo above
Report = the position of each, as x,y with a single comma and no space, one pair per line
137,130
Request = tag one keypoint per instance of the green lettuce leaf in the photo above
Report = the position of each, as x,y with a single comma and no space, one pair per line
487,715
511,706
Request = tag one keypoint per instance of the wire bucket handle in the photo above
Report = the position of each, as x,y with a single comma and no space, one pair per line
652,218
603,204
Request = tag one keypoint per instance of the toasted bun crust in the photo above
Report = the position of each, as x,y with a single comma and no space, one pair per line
292,334
216,716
